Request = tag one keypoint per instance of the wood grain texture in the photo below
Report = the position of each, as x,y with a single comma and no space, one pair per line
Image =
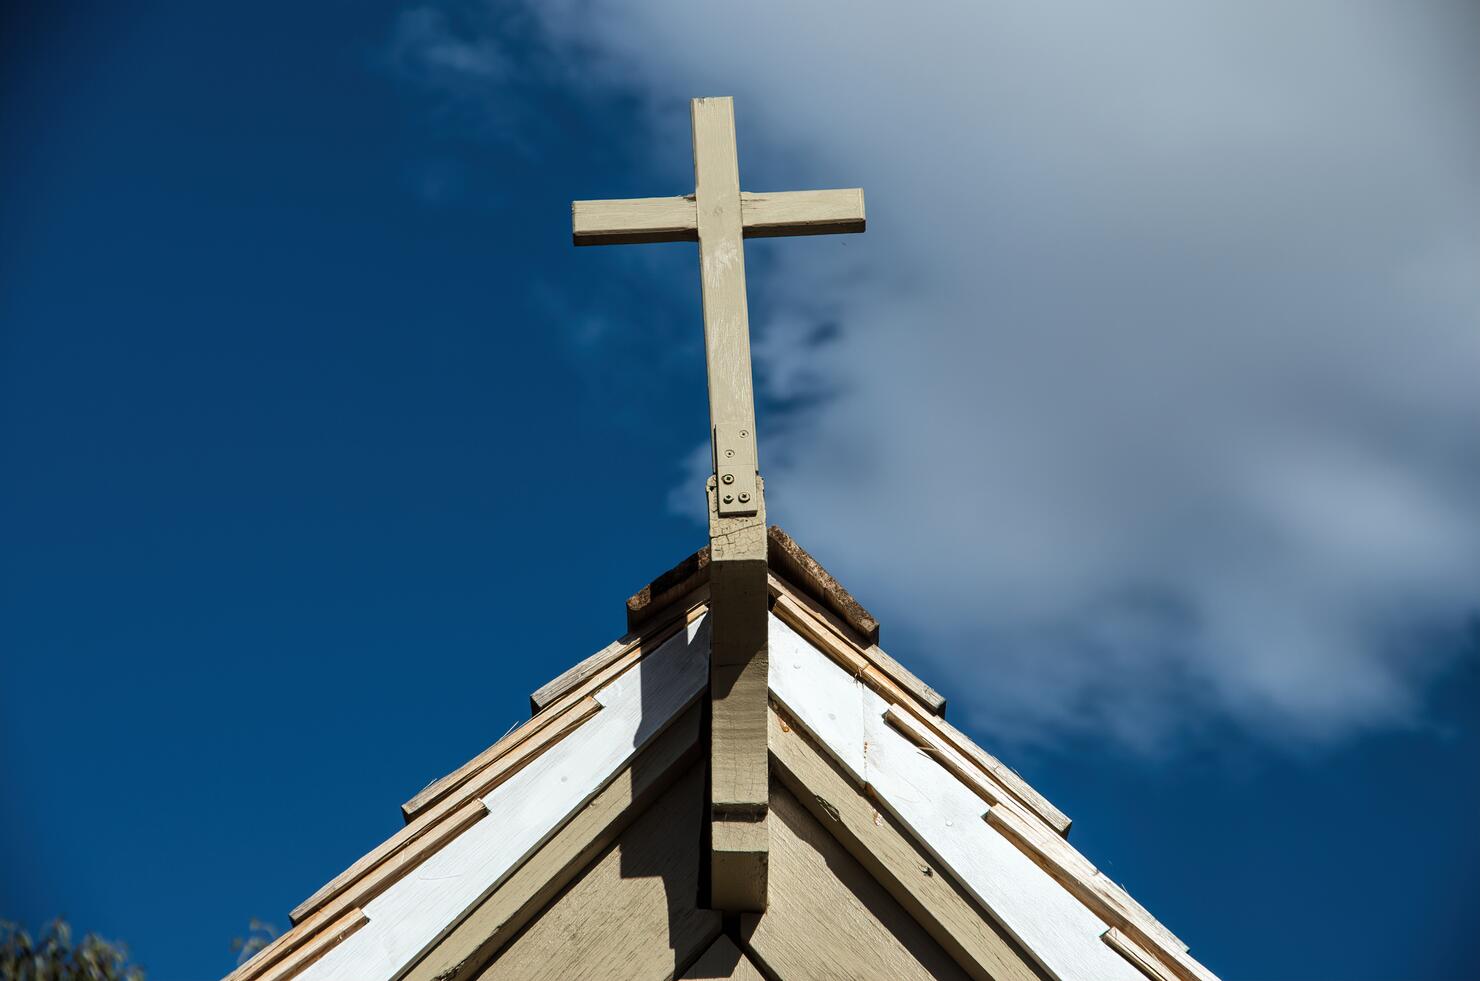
1007,777
633,221
800,569
723,960
923,889
802,212
942,815
932,700
633,913
449,783
321,943
1049,851
722,266
496,920
654,599
828,917
1108,900
739,777
524,812
652,640
1148,964
648,636
864,653
797,616
428,822
286,944
573,676
360,891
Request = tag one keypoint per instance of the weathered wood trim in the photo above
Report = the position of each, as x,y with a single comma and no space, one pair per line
1051,852
449,784
925,889
768,215
319,945
932,700
723,961
286,943
387,873
634,913
525,811
853,661
1137,955
372,879
559,694
474,942
983,784
944,816
429,820
652,632
802,573
652,641
794,564
1091,887
656,597
631,221
928,698
1006,776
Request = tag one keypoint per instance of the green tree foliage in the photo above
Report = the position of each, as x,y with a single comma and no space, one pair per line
53,956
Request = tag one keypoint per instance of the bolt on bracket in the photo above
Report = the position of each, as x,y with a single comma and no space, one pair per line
737,494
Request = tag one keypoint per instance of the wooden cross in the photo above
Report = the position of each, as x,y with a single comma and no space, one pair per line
719,216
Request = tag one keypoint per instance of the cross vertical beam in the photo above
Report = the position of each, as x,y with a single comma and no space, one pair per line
719,216
726,318
739,785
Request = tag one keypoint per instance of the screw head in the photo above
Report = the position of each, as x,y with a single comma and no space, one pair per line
728,478
744,433
728,498
744,498
729,453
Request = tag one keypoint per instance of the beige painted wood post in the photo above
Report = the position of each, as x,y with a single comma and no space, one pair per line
719,216
739,785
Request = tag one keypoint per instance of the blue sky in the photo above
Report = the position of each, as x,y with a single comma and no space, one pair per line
1143,417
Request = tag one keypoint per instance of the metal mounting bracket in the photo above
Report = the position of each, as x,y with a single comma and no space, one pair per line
737,494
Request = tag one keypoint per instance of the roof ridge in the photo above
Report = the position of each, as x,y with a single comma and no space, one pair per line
785,557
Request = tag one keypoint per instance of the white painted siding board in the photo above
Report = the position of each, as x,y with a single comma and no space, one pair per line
942,813
832,712
523,813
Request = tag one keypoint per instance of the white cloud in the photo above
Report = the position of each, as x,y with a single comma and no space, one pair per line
1149,400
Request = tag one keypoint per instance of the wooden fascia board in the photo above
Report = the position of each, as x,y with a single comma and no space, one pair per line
861,740
429,820
796,564
925,889
928,698
478,938
524,812
1148,963
855,661
296,960
1107,899
620,652
786,559
846,719
660,625
1052,853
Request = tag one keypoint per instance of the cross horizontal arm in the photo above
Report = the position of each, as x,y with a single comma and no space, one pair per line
802,212
635,220
630,221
